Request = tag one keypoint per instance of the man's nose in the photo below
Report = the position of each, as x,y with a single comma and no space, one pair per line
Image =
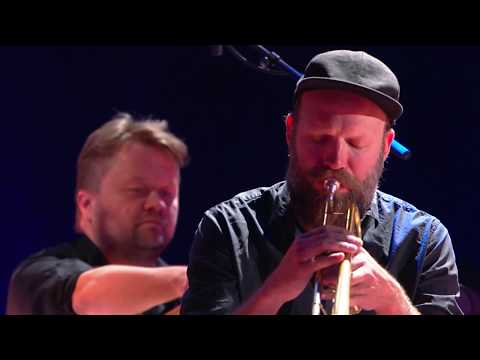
335,155
155,202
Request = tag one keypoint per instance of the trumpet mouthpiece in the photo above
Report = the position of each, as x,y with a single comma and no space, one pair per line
331,184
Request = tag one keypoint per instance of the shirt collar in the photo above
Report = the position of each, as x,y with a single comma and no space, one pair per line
373,209
95,256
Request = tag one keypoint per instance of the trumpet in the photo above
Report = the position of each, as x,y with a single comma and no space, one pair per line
345,214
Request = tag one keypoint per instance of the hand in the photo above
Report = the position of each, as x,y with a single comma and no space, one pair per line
372,287
310,252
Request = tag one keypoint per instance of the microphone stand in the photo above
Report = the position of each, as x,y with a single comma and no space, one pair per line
272,60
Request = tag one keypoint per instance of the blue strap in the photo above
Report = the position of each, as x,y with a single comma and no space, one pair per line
423,247
397,240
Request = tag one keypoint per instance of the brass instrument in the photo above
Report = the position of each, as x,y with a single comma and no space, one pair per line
344,214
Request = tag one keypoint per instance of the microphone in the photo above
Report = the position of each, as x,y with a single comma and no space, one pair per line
216,50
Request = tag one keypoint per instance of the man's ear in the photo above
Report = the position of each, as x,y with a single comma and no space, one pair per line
85,201
289,124
389,137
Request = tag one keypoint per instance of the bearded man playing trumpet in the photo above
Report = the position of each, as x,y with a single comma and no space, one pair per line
270,250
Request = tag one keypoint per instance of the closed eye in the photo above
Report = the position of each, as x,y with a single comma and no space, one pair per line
356,143
167,196
319,139
137,191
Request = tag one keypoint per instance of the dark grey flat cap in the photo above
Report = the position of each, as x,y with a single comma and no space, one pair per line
355,71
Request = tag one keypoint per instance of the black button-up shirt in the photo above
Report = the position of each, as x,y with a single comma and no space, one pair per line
43,284
240,242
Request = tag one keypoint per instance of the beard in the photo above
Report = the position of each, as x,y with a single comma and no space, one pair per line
308,202
127,241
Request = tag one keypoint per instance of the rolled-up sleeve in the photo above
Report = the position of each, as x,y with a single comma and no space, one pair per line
44,285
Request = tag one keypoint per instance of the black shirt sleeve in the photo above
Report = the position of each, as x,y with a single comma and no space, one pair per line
44,285
438,287
213,284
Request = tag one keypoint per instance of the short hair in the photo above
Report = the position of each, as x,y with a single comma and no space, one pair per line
104,143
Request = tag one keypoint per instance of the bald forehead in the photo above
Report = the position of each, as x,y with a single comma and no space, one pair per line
339,102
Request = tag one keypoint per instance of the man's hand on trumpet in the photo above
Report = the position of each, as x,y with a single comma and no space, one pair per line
372,287
310,252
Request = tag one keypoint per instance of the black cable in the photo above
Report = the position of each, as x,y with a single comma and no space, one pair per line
264,68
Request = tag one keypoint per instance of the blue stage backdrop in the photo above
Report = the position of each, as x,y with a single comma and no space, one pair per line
231,117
